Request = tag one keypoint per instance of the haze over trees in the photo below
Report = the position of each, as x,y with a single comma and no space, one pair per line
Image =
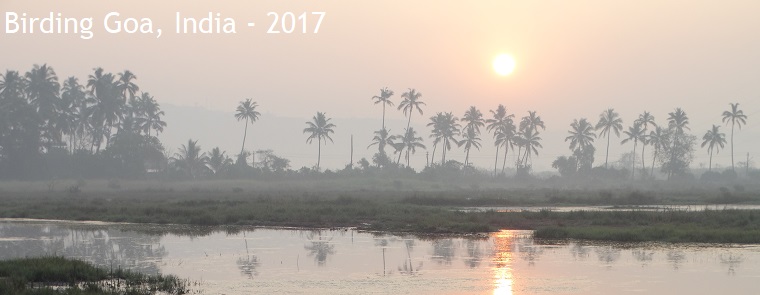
107,127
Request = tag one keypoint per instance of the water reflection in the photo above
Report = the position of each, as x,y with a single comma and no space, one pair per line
502,262
474,253
443,251
607,255
248,264
319,247
732,260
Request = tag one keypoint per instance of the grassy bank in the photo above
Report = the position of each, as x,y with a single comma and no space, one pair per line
383,211
58,275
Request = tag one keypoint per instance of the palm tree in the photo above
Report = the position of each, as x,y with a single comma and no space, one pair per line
190,159
581,134
42,91
73,98
107,109
528,124
410,142
736,117
635,133
381,139
658,138
246,111
470,140
319,128
609,120
385,99
410,103
499,125
127,90
714,140
152,115
473,119
445,127
218,161
677,123
645,119
506,135
531,141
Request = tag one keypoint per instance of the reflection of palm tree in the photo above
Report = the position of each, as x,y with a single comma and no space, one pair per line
319,128
609,120
319,247
714,140
635,133
443,250
736,117
607,254
385,99
474,253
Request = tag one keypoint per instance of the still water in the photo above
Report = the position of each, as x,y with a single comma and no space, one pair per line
295,261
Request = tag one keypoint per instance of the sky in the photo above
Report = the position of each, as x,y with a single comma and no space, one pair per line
574,60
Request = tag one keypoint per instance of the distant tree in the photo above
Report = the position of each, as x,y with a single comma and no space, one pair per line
411,142
319,128
581,141
677,123
410,103
246,110
445,128
609,120
190,159
473,119
528,128
714,140
565,165
271,162
106,111
634,133
469,141
385,99
736,117
218,161
504,130
646,119
531,142
152,114
43,94
658,140
381,139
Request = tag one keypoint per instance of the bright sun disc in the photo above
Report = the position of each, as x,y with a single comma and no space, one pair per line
504,64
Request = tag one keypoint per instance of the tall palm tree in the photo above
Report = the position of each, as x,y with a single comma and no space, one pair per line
126,88
657,138
385,99
410,103
532,122
73,98
470,140
736,117
677,123
107,108
246,110
609,120
445,128
42,91
581,134
191,159
319,128
635,133
531,141
506,135
499,125
473,119
714,140
645,119
411,142
152,115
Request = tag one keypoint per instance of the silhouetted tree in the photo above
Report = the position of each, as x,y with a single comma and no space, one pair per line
411,142
504,130
636,134
410,103
645,119
246,110
190,159
385,99
658,140
736,117
609,120
677,123
319,128
469,141
714,140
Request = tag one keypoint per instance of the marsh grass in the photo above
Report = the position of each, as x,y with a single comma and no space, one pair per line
58,275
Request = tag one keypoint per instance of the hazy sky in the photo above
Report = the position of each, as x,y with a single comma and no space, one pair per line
574,59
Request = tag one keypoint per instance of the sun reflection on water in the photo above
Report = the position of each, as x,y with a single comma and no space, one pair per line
502,263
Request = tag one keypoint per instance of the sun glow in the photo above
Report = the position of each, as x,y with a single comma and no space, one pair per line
504,64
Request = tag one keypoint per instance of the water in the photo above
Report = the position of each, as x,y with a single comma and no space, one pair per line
293,261
613,208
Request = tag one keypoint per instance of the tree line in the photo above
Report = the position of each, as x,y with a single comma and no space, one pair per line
107,126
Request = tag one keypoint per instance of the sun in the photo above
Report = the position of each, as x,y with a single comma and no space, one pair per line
504,64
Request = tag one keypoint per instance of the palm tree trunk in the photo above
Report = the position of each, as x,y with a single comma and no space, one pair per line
607,157
504,162
432,158
467,158
407,157
383,115
408,121
710,167
732,148
319,151
496,161
654,157
643,166
633,162
245,134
